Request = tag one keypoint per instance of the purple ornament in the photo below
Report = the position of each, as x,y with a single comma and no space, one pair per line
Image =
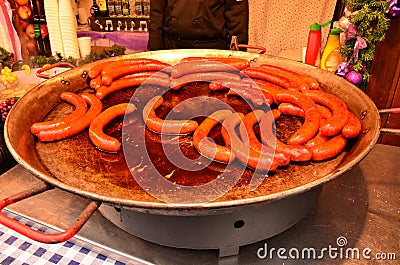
351,31
394,8
354,77
343,69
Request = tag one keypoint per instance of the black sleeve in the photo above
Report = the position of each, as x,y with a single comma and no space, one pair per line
237,19
155,25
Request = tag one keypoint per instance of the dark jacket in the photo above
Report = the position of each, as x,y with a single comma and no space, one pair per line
197,23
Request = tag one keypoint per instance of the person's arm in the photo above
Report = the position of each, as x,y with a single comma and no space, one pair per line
237,19
155,25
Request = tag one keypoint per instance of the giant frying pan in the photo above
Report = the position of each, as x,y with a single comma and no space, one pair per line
75,165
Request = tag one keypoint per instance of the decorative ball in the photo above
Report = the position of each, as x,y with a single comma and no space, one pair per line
354,77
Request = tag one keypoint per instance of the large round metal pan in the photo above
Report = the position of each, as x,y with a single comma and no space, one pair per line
76,166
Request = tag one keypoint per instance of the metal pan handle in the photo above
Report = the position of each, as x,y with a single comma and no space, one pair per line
390,130
262,50
40,73
34,234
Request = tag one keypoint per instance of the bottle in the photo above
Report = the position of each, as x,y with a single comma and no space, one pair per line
313,52
118,8
331,57
132,8
146,8
313,45
138,8
36,27
44,31
111,8
103,8
125,8
95,9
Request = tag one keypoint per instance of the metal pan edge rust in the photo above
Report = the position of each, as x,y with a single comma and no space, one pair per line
33,106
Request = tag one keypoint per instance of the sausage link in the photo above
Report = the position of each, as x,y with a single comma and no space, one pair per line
181,81
329,149
324,111
238,63
158,125
353,127
335,124
99,68
77,126
191,67
96,134
133,81
299,79
317,140
117,72
246,91
249,137
208,148
247,156
79,111
95,83
312,116
291,109
264,74
266,87
296,152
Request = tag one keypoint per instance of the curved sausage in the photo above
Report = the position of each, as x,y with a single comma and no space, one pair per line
353,127
238,63
312,116
249,137
95,83
258,72
340,114
329,149
296,152
291,109
132,81
79,111
77,126
247,156
208,148
266,87
181,81
191,67
158,125
96,134
293,76
117,72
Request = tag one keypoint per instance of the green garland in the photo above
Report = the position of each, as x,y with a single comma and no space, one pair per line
372,23
40,60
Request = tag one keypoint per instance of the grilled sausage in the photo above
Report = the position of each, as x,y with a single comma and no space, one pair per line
191,67
79,111
158,125
77,126
340,114
353,127
96,134
296,152
208,148
238,63
311,123
181,81
293,76
258,72
329,149
249,157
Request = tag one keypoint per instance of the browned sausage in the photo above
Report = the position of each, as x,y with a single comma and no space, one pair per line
258,72
77,126
116,72
208,148
191,67
296,152
340,114
353,127
181,81
249,137
158,125
238,63
291,75
329,149
291,109
158,79
253,159
96,134
312,116
80,110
